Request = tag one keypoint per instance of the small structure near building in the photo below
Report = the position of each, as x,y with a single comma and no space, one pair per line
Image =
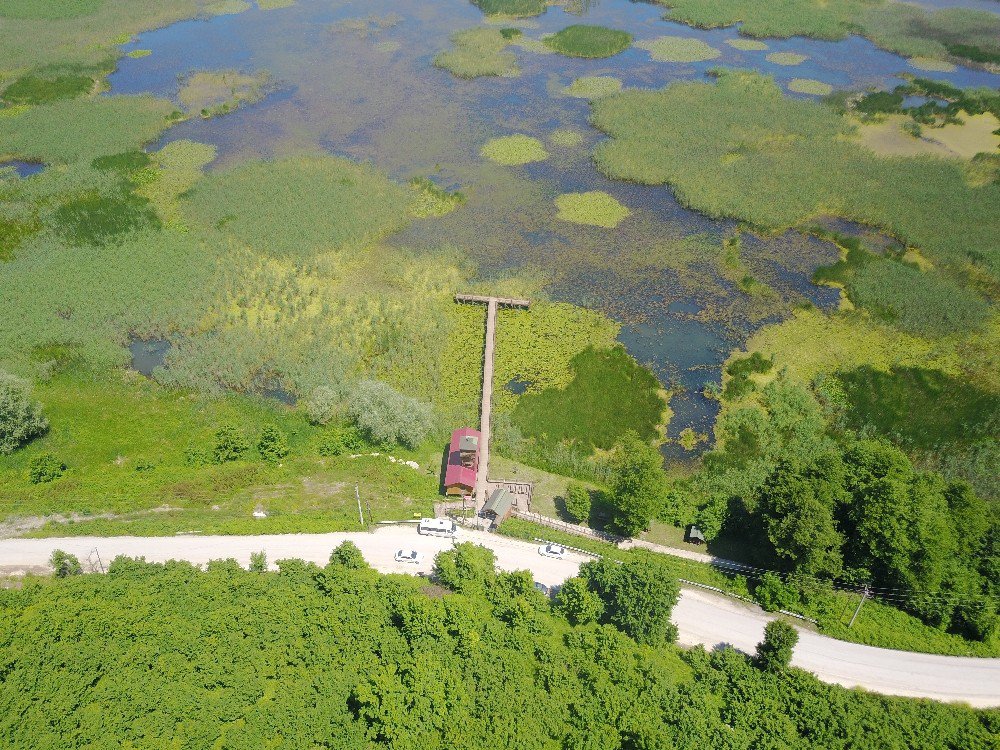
693,535
463,462
499,506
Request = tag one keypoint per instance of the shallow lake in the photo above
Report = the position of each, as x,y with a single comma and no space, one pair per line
375,96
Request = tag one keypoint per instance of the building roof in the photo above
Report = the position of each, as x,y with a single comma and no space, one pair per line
455,473
468,443
499,503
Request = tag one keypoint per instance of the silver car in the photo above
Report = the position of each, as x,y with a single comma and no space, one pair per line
409,556
556,551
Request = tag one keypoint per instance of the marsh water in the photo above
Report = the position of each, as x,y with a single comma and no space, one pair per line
372,94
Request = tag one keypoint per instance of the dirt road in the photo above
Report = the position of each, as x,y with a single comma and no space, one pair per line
702,618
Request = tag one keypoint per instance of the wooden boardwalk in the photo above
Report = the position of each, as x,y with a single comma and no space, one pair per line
486,408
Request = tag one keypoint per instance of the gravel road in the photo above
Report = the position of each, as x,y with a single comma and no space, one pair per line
702,618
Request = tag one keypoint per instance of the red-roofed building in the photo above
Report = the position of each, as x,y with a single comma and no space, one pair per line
463,462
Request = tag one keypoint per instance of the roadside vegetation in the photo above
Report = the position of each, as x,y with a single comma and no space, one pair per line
411,663
581,40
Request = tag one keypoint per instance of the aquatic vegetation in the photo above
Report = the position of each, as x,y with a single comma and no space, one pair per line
367,26
898,27
594,207
227,7
513,150
678,49
809,86
591,87
212,93
177,167
95,218
688,439
772,168
282,208
512,8
139,53
747,45
41,88
536,346
566,137
581,40
71,129
932,64
274,4
609,395
433,200
479,52
786,58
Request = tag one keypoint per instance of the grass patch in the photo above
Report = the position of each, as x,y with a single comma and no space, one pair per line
49,10
42,89
259,202
747,45
592,87
68,130
595,208
513,150
211,93
432,200
608,395
566,137
96,219
809,86
137,54
739,148
786,58
932,64
581,40
479,52
512,8
227,7
678,49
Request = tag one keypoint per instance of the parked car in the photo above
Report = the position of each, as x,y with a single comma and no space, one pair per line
556,551
543,589
409,556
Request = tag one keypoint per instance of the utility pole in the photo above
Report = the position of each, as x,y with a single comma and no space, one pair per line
371,516
864,595
99,562
358,496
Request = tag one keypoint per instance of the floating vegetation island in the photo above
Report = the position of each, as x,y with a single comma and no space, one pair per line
594,207
480,52
786,58
589,41
514,150
678,49
809,86
592,87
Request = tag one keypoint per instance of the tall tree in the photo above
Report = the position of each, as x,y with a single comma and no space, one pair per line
638,483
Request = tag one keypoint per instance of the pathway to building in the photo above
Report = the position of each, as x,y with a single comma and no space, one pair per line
701,617
486,408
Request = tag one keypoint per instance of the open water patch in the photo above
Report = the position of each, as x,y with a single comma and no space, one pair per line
23,169
148,355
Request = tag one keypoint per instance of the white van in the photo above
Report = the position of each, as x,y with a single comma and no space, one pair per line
437,527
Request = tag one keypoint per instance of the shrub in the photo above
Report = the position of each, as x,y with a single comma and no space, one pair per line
321,406
258,562
773,594
467,568
21,418
231,444
273,444
578,502
45,468
581,40
347,555
197,456
774,653
578,603
386,416
64,564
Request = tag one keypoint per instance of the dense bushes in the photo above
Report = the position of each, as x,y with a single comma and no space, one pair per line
386,416
774,653
168,655
20,418
581,40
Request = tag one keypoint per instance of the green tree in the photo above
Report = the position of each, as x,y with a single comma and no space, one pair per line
322,404
798,502
347,555
258,562
231,444
273,444
45,468
638,483
578,502
578,603
21,418
466,568
64,564
638,596
774,653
